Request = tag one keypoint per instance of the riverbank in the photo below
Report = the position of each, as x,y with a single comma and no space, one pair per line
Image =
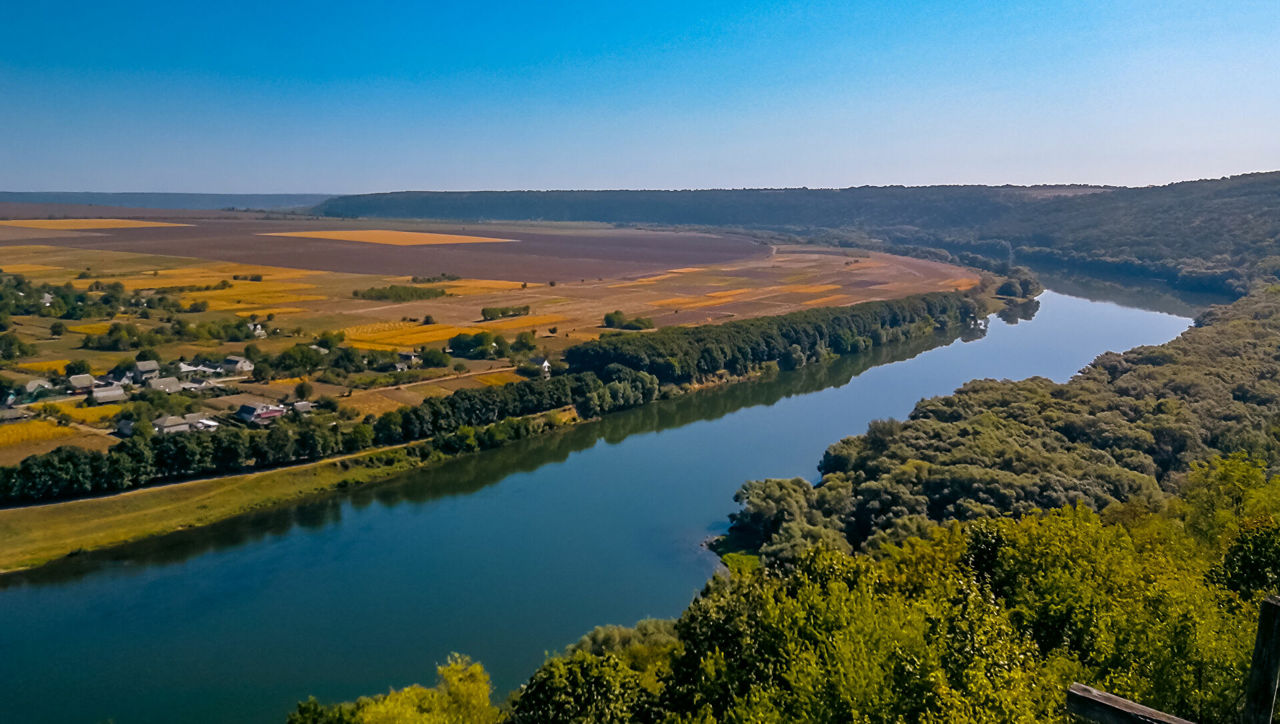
38,534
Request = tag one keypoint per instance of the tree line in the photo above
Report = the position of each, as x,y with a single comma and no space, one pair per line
680,355
610,376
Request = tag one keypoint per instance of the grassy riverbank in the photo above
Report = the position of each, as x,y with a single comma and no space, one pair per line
39,534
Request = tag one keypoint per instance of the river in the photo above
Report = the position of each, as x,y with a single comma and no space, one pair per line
503,556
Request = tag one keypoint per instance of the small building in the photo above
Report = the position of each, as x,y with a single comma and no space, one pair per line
543,364
147,369
81,383
259,414
114,393
199,421
410,358
165,384
236,365
35,387
186,370
169,424
302,407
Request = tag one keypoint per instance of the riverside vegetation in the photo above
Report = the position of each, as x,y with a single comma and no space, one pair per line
607,376
968,563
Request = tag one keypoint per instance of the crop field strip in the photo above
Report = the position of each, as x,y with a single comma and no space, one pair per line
16,433
77,224
86,415
28,268
393,238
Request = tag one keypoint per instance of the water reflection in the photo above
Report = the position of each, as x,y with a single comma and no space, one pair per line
470,473
1128,292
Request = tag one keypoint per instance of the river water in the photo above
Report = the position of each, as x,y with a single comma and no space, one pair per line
503,556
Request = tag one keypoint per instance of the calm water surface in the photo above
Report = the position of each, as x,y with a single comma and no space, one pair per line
503,556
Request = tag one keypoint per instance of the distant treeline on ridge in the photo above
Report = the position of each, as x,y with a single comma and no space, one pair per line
1199,235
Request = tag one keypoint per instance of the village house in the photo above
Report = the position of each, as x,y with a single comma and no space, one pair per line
236,365
147,369
80,384
38,388
114,393
260,414
165,384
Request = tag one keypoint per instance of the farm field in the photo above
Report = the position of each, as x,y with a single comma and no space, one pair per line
33,437
672,278
569,275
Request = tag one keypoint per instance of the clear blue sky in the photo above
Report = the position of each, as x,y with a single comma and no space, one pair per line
329,97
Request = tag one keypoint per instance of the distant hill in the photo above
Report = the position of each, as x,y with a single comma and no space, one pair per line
1215,235
166,201
868,205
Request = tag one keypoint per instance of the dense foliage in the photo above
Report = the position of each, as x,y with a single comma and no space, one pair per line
1126,426
399,293
975,622
490,313
608,379
694,354
969,563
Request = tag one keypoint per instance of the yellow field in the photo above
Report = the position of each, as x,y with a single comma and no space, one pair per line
370,331
525,322
199,276
395,238
87,415
27,268
52,365
32,431
72,224
494,379
391,336
688,269
254,295
728,293
269,310
91,328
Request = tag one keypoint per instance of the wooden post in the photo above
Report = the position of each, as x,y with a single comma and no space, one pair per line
1260,696
1103,708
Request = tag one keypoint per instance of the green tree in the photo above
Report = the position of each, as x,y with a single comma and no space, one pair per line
76,367
303,390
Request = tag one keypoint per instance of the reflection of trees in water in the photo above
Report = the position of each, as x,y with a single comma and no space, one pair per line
1131,292
1015,312
469,473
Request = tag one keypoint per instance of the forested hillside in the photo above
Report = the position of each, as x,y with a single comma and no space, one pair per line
969,563
1126,426
1197,235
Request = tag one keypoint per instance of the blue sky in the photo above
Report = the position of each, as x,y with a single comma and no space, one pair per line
344,98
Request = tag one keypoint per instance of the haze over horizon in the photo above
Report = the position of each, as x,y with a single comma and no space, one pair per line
300,98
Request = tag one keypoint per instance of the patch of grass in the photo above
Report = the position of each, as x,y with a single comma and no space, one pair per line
38,534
